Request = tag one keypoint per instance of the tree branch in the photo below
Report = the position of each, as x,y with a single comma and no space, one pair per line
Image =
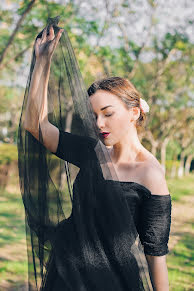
26,11
15,57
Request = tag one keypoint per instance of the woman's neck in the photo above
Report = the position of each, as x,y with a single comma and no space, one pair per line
129,149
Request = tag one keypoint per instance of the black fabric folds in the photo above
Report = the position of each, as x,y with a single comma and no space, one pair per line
85,229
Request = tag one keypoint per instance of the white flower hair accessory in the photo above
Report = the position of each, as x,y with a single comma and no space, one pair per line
144,106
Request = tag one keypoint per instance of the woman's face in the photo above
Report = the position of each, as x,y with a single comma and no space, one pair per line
111,116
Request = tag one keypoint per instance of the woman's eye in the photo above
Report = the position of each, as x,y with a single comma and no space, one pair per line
107,115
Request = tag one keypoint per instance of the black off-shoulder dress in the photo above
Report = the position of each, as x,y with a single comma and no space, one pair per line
151,214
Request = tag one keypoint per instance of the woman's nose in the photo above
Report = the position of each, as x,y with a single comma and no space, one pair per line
100,122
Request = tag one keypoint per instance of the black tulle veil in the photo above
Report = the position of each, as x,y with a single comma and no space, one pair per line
47,182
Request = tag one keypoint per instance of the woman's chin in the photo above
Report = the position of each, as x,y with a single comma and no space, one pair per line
107,143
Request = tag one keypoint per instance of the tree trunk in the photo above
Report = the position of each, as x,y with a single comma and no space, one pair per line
69,120
154,143
105,66
173,169
154,148
181,167
163,153
188,164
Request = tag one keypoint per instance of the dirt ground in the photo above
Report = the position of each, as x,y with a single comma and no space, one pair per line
181,219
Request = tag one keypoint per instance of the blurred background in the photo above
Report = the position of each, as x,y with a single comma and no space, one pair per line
149,42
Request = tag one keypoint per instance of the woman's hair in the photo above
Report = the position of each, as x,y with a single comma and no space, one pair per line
125,90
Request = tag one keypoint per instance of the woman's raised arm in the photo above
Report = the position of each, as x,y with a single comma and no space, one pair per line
36,108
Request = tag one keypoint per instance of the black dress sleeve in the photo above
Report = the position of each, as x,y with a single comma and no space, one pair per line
75,148
154,224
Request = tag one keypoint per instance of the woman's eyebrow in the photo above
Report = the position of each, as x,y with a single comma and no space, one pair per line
106,107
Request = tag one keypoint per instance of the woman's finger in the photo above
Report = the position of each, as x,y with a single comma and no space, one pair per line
58,37
37,43
44,34
51,33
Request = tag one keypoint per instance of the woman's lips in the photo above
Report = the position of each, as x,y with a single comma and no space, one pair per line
105,134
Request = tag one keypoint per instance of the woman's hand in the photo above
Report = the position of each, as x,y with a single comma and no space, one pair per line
45,46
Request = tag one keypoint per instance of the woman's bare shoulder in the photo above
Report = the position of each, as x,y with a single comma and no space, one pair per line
153,176
151,161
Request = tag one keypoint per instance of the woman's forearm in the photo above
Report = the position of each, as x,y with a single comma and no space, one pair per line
36,107
158,272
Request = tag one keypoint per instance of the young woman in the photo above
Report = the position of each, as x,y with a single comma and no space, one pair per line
105,261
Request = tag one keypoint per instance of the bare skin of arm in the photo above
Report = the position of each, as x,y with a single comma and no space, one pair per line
36,108
158,272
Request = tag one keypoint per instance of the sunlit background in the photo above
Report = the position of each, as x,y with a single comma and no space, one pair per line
149,42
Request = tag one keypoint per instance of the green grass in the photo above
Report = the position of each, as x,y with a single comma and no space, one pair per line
180,187
180,264
11,218
13,259
8,153
13,256
16,270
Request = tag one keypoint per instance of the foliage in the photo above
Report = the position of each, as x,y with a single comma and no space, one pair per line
165,80
8,153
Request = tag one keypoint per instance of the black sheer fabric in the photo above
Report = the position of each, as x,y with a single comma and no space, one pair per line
85,229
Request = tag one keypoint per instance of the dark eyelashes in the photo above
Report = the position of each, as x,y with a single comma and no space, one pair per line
107,115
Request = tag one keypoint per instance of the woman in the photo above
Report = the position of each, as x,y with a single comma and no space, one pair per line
94,249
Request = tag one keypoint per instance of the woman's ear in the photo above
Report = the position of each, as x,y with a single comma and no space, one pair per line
135,113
